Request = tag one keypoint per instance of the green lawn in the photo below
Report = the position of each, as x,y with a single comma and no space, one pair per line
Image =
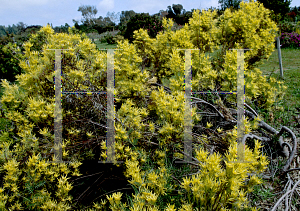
291,74
105,45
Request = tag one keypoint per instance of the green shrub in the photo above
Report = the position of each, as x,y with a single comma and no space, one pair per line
142,21
286,27
110,39
9,59
149,129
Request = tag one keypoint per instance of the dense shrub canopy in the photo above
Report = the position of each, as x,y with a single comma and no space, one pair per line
150,23
9,61
149,121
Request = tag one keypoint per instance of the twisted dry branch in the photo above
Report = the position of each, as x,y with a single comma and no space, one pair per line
285,195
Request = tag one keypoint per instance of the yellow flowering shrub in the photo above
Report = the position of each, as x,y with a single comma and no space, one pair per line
149,121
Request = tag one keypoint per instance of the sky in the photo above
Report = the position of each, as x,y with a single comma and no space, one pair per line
59,12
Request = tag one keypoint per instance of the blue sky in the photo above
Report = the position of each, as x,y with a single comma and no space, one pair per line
59,12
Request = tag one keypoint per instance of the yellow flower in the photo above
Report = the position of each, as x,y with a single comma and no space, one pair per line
117,197
186,184
110,199
220,130
209,125
151,198
89,134
103,202
171,208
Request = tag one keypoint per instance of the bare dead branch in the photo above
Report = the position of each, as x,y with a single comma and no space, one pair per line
295,169
286,194
198,100
283,128
252,136
278,202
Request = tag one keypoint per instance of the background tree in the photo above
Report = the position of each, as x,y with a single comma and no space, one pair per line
60,29
124,18
103,24
279,7
9,59
234,4
174,11
3,31
296,10
143,20
178,14
114,17
21,27
88,13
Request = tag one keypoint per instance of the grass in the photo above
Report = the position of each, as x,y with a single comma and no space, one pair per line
105,45
291,74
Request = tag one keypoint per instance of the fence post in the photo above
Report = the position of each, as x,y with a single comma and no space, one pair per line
279,57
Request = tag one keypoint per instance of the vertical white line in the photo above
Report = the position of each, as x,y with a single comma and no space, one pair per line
187,111
110,107
188,123
240,105
58,109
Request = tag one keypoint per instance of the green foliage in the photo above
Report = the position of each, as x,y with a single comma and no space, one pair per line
124,18
9,59
178,14
150,23
229,4
103,24
278,6
88,13
60,29
148,127
14,29
261,193
109,39
286,27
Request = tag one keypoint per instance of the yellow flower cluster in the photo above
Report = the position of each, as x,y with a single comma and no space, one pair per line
151,184
30,105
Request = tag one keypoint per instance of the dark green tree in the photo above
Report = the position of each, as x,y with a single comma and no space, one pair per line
178,14
234,4
124,18
143,20
103,24
174,11
2,31
280,7
296,10
88,13
177,8
62,29
21,27
9,60
114,17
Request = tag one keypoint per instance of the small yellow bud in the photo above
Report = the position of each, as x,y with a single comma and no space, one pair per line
209,125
